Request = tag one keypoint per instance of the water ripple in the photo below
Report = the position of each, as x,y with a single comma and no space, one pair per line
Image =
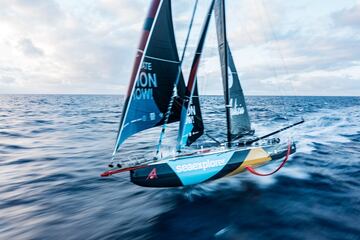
52,149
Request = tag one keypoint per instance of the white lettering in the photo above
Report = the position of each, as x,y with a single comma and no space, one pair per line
144,85
143,93
152,80
152,116
236,109
192,110
146,66
147,80
143,81
200,165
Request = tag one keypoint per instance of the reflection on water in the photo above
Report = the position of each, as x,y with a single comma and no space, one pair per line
53,148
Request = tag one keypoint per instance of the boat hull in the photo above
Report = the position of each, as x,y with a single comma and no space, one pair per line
190,170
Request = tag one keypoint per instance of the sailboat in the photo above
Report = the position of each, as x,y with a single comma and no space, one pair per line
157,96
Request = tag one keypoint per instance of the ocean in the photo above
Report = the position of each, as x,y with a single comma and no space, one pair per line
54,147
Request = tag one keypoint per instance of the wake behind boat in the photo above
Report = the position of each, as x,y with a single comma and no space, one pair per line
158,96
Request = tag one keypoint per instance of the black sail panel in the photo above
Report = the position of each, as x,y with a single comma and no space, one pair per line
194,113
163,55
154,73
192,126
240,120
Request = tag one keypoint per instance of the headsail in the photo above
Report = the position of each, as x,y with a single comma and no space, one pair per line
191,124
176,83
240,121
154,72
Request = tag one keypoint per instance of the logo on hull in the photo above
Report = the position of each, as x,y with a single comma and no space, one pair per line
152,175
200,165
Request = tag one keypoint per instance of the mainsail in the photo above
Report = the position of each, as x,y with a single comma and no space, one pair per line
191,123
238,121
220,20
154,73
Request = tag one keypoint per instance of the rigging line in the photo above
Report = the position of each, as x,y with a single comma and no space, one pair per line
212,138
167,115
272,66
285,66
279,50
277,39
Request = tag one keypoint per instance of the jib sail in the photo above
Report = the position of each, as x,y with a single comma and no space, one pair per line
154,73
191,127
191,123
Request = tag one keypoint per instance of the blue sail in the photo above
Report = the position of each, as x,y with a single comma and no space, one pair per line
154,73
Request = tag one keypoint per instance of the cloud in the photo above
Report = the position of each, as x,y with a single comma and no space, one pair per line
82,47
28,49
7,80
348,17
68,46
306,57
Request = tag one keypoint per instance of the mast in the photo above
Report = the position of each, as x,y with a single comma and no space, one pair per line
223,47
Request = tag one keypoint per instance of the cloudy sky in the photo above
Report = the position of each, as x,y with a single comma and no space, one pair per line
303,47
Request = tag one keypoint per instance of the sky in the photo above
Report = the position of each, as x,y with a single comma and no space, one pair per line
303,47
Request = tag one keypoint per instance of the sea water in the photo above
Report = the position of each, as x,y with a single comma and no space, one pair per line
54,147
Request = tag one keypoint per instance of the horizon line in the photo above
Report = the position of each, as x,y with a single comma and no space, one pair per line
208,95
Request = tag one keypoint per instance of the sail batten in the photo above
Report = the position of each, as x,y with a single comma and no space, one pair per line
163,59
